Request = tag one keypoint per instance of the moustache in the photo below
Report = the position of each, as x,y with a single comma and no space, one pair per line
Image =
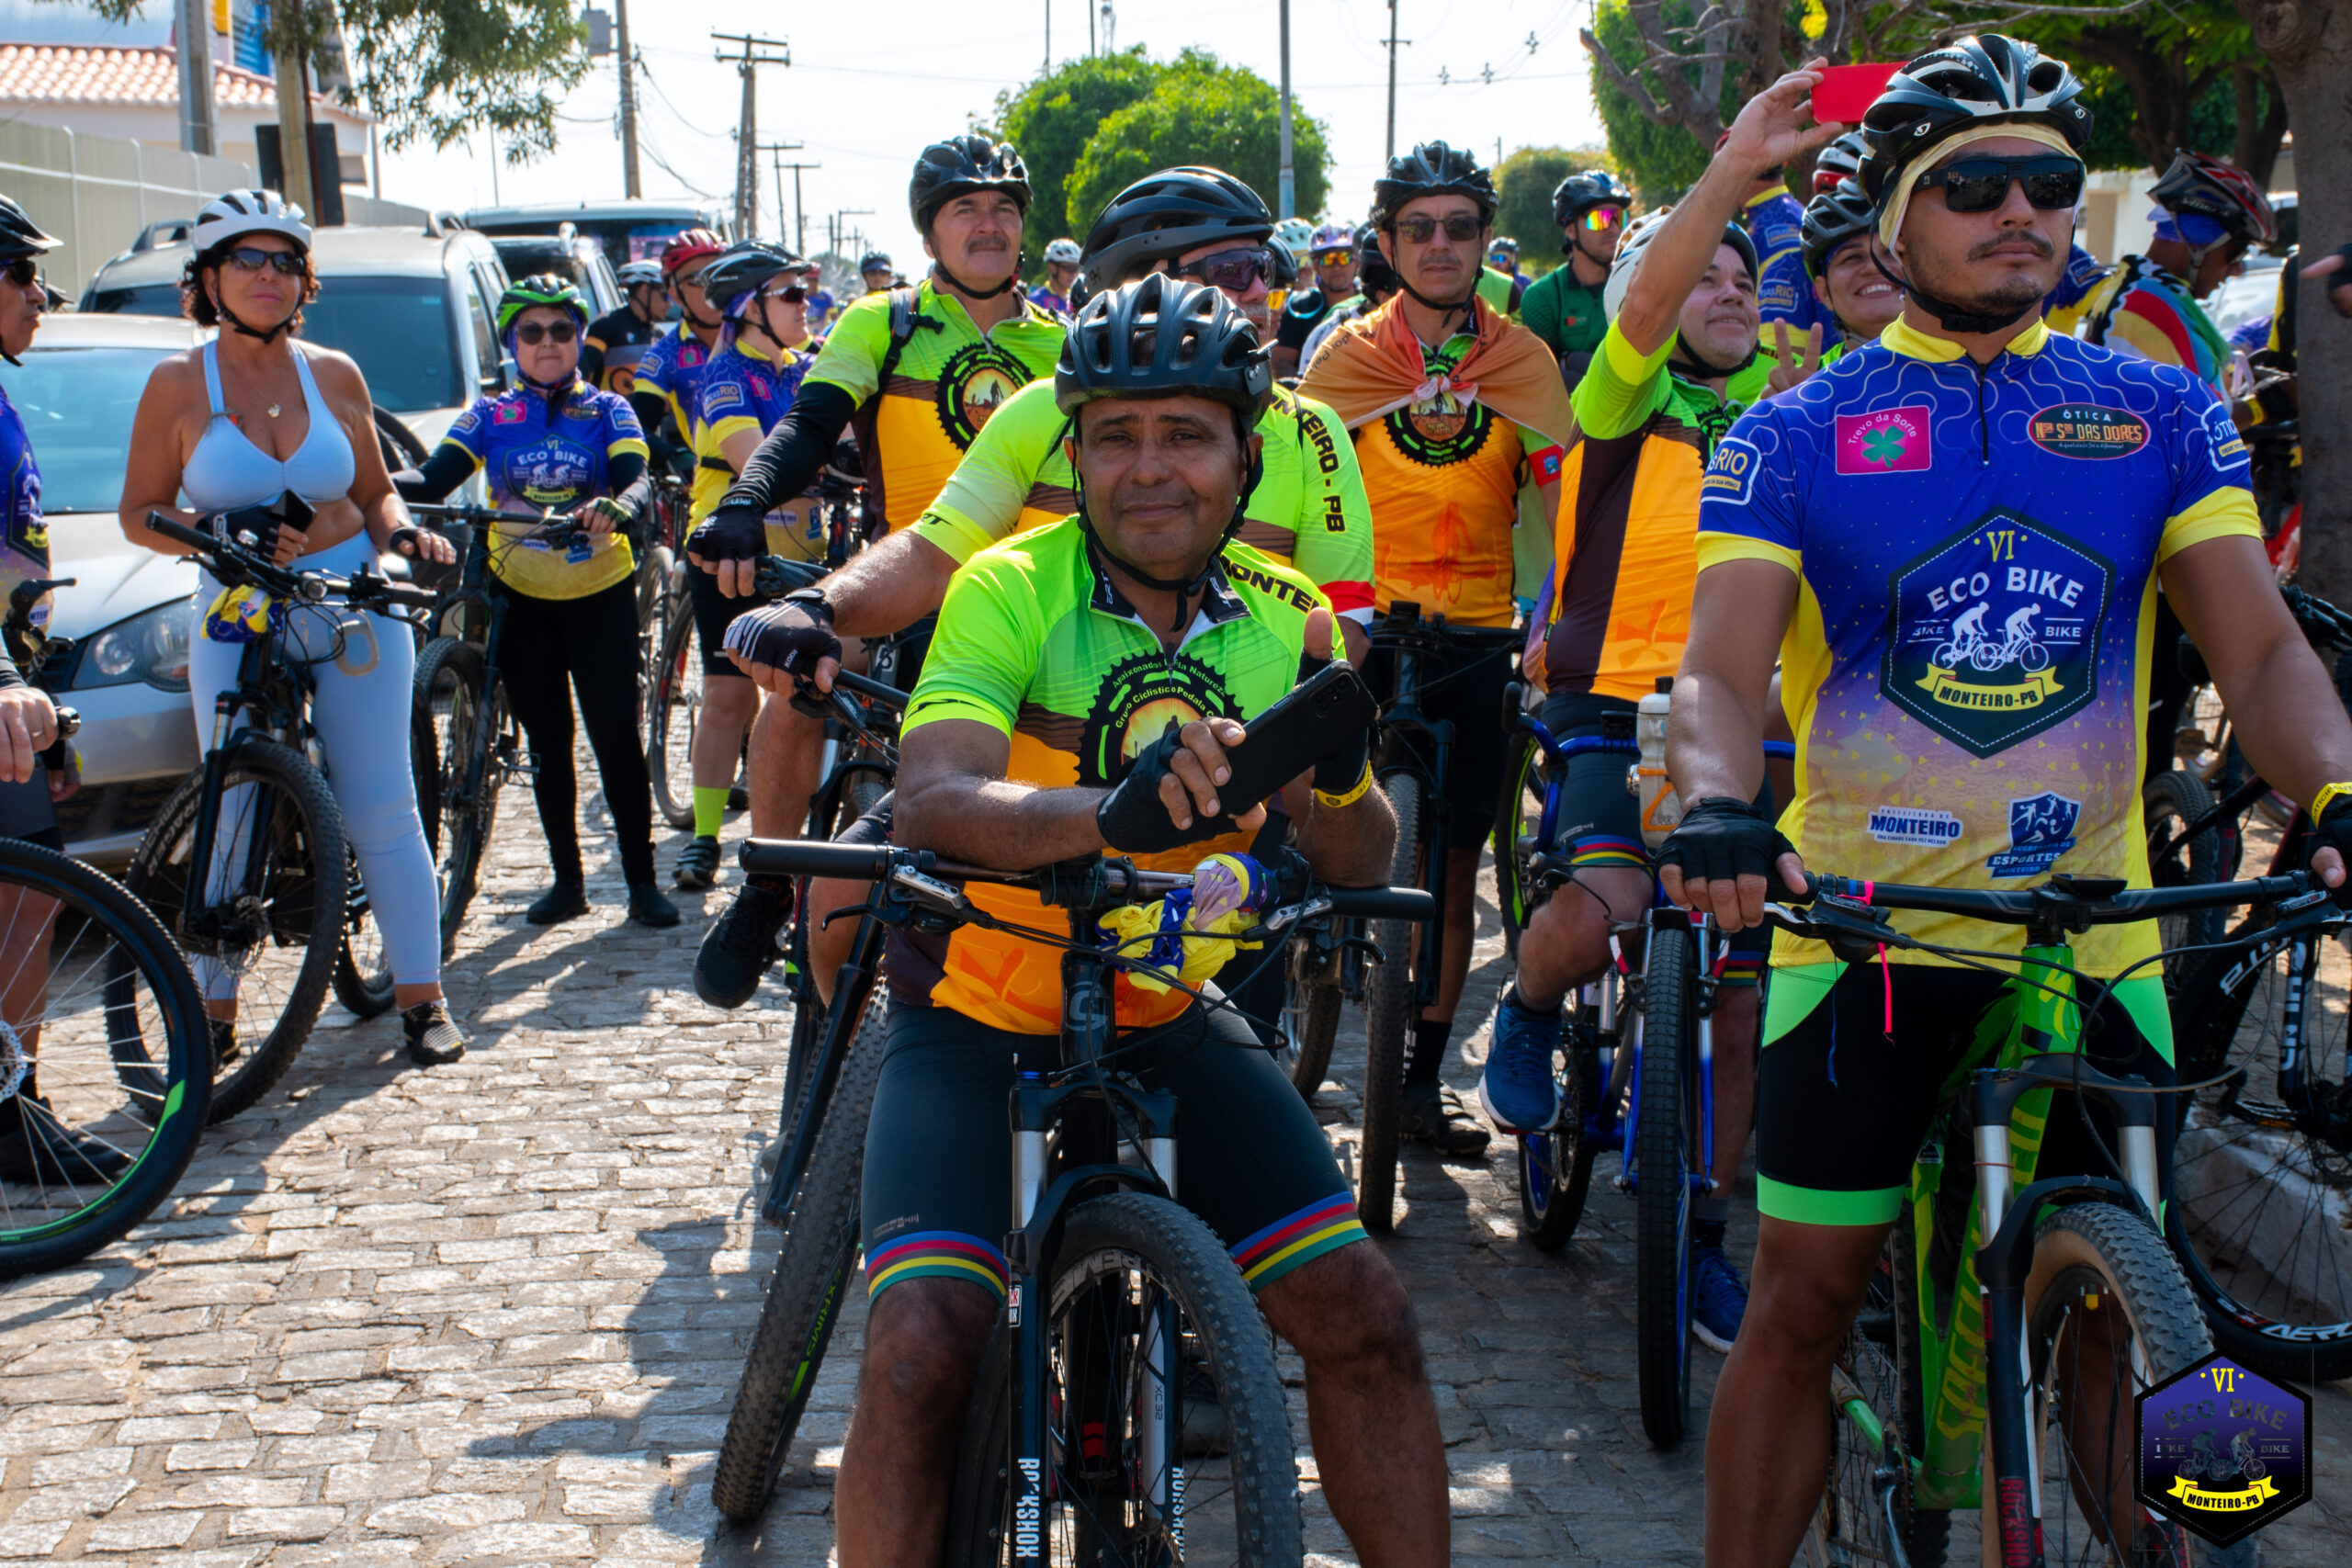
2039,244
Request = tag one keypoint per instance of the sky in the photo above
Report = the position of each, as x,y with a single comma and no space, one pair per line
869,88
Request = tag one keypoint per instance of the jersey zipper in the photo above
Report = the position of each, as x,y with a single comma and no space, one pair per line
1983,426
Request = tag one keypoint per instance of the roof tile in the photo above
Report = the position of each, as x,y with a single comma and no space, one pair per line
53,74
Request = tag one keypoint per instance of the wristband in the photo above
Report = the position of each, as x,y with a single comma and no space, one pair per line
1341,802
2328,796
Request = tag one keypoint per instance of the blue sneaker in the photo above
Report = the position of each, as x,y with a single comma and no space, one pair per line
1722,1299
1516,1088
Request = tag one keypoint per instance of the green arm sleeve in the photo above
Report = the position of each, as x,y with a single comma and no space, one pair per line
1622,388
982,500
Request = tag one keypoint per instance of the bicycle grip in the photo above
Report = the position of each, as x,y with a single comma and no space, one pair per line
172,528
1382,903
802,857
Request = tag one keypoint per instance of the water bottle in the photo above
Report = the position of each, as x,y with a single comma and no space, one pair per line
1661,808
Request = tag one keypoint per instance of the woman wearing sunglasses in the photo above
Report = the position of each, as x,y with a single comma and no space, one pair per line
555,447
238,424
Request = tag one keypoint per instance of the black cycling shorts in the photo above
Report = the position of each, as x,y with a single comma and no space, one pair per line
1251,1160
1842,1108
27,812
1468,691
714,613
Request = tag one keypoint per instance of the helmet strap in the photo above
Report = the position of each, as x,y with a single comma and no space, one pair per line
1951,318
1186,587
969,292
221,307
1444,308
1691,365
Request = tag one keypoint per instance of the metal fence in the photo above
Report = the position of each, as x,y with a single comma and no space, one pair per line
96,193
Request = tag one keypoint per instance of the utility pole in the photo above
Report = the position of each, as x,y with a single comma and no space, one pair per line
1286,185
776,150
842,232
627,60
198,122
1090,29
1049,38
747,141
1392,41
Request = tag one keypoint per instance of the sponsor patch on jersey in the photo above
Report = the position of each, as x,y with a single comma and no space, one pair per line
1885,440
551,472
1731,472
1777,297
1912,825
1995,632
1441,430
971,385
720,395
1546,464
507,413
2222,434
2086,430
2041,828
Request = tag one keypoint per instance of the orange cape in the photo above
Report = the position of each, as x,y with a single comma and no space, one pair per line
1371,367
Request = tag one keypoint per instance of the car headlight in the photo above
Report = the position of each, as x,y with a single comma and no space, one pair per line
150,647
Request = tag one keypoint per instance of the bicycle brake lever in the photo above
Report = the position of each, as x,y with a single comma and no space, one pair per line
930,894
1291,914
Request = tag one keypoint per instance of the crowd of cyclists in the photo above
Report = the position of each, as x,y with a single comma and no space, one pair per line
1897,472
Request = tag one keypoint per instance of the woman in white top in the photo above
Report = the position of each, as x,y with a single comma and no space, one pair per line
242,421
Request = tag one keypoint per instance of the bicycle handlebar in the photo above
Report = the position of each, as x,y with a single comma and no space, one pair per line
2080,901
226,559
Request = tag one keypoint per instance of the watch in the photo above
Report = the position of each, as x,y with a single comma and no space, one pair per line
814,601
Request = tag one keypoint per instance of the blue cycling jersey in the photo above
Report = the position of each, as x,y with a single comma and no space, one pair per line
24,537
1976,553
673,366
1783,286
544,454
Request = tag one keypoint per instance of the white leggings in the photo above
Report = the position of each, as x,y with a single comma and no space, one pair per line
361,712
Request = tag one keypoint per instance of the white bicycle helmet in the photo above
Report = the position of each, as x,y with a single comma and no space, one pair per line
235,214
639,272
1296,235
1063,251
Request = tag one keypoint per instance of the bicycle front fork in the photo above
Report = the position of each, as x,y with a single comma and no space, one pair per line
1707,947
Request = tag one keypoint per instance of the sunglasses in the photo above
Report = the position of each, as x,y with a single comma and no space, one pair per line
537,332
1596,219
1458,226
252,258
24,271
1980,184
1335,258
1235,270
791,294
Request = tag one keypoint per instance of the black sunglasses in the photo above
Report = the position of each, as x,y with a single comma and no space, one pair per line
24,271
1458,226
252,258
536,332
1980,184
1235,270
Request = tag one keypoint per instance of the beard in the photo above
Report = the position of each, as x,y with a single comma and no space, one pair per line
1965,285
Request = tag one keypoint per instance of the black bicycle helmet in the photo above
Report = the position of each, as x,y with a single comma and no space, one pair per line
1431,169
1373,270
19,235
1158,337
1974,82
744,267
1830,220
1163,215
1579,193
969,163
873,261
1842,160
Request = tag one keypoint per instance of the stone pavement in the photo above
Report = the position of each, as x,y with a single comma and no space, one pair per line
495,1312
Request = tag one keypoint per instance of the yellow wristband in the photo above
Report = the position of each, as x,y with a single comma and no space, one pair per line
2327,798
1341,802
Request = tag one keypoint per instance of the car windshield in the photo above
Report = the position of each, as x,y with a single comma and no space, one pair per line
77,404
145,300
400,331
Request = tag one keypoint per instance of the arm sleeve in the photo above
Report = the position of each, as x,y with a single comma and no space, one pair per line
1748,504
1333,547
984,652
1622,386
982,500
449,467
788,461
632,485
591,358
650,407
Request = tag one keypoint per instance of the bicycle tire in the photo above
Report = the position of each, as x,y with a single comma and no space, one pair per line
813,1268
1106,1238
1928,1541
2105,1253
863,791
1516,816
363,972
304,911
1309,1025
1665,1147
2170,802
167,1105
672,705
1866,1513
466,714
1556,1166
1388,1023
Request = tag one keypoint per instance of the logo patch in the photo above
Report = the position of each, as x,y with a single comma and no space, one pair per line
2085,429
2221,1451
1731,473
1136,700
975,380
1912,825
1889,441
547,473
1995,633
2041,828
2221,434
1441,430
507,413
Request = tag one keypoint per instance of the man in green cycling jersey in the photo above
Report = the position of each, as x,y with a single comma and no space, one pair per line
1950,539
1086,682
1562,307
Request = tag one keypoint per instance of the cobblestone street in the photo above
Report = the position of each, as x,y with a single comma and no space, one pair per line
495,1312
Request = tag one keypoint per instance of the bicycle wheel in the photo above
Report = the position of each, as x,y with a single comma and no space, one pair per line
2264,1159
1309,1023
1929,1537
103,1046
1866,1515
672,704
1388,1019
813,1268
1665,1152
1518,817
2108,1317
1130,1268
2171,802
1555,1168
363,973
861,791
469,723
270,943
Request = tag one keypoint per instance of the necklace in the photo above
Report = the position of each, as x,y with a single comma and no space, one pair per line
273,410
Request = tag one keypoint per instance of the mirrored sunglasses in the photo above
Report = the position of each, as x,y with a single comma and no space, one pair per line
1235,270
1980,184
252,258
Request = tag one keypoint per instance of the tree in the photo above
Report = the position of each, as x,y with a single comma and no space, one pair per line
1202,111
1052,118
1523,185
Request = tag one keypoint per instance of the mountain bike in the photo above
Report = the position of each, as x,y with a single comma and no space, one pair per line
280,917
2018,1312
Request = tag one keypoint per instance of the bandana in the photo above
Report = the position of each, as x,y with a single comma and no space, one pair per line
2191,229
1371,367
1898,200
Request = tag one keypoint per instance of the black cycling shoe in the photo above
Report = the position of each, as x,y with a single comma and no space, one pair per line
433,1040
738,798
699,863
568,899
226,1046
741,946
36,1149
1429,1116
648,905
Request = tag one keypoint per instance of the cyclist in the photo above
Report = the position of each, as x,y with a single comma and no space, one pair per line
1842,253
1682,320
1166,380
1843,526
2209,214
1333,253
662,393
2061,311
760,291
239,423
618,340
921,370
1503,256
1562,307
1452,408
879,276
1375,286
1775,223
1842,160
1061,271
555,445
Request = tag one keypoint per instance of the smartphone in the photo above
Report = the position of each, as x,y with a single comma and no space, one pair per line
1296,733
1846,92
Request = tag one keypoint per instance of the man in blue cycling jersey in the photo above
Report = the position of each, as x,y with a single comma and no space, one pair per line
1951,540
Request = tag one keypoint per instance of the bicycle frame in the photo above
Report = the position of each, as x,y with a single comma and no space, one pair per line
274,692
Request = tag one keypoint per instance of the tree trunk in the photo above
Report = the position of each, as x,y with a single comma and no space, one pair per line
2308,43
294,129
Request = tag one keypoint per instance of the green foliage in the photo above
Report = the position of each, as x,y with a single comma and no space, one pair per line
2213,120
1053,117
1661,160
1524,184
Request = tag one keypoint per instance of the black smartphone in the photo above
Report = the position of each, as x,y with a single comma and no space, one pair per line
1313,721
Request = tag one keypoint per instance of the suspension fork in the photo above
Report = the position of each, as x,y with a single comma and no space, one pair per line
226,705
850,990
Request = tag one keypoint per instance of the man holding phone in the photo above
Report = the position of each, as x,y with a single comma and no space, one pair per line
1089,683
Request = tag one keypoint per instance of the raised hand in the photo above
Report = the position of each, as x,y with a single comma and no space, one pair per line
1788,372
1777,125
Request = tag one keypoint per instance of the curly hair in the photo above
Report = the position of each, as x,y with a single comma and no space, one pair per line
196,305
